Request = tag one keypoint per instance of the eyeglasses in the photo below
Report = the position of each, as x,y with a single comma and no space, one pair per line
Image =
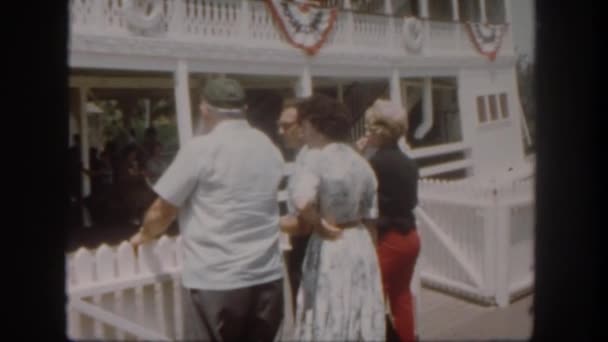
286,125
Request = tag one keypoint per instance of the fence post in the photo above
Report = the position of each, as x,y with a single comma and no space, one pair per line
503,241
489,253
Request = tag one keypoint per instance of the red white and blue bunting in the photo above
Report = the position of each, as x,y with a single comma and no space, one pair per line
413,34
487,38
305,25
136,16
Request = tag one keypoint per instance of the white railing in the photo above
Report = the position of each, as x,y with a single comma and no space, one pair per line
477,239
433,151
443,37
370,31
261,27
211,20
115,293
241,23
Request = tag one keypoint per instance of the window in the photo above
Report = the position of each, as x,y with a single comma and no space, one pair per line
469,10
493,107
481,109
440,10
504,105
495,11
405,7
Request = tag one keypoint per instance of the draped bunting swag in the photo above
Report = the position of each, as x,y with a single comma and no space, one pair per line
304,25
487,38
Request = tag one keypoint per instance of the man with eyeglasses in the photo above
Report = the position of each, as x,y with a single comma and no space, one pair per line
291,135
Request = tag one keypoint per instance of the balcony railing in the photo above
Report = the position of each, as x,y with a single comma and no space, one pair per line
250,24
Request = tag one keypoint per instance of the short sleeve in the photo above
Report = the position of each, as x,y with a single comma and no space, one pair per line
180,179
369,199
305,180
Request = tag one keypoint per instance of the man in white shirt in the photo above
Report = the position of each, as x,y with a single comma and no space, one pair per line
291,136
223,186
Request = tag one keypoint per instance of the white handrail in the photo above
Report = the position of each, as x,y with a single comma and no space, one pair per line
431,151
114,320
120,284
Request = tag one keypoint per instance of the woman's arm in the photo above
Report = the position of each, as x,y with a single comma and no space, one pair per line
294,225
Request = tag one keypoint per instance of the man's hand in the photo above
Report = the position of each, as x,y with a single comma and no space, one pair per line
156,221
140,238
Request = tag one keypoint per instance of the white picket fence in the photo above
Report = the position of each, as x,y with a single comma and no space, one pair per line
117,293
477,238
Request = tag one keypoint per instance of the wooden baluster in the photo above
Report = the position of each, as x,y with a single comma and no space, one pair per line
106,272
177,291
123,299
164,251
147,264
244,20
84,267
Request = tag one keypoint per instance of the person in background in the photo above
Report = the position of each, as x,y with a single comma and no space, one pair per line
131,184
155,165
340,296
290,131
398,243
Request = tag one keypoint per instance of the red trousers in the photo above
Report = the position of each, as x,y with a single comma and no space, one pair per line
397,253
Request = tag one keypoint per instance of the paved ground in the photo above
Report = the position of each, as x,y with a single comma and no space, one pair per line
443,317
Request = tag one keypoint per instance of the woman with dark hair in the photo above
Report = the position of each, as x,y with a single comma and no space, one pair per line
334,195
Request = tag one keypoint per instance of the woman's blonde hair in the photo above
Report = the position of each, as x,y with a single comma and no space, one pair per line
386,119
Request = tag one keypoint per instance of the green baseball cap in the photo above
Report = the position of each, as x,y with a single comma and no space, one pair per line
224,93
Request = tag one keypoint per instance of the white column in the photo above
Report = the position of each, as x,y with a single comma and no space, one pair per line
340,92
244,19
304,84
424,14
350,22
427,109
84,140
182,102
395,87
388,7
482,11
455,10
